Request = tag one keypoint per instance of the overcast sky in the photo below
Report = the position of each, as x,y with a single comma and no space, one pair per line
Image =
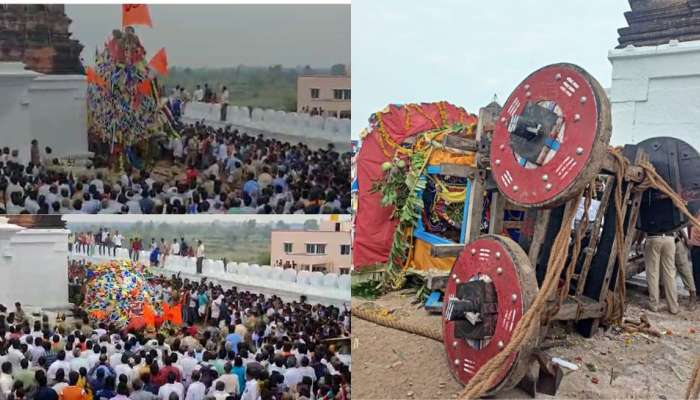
467,51
227,35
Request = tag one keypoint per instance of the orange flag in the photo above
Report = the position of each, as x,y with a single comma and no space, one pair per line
149,316
144,87
136,14
159,62
92,77
176,315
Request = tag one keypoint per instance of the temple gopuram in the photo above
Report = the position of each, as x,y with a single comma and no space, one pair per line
655,22
38,35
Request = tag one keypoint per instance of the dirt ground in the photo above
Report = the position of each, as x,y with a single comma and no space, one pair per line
390,364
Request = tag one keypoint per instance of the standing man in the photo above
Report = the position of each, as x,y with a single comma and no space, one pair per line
200,256
198,94
659,258
224,102
685,268
694,244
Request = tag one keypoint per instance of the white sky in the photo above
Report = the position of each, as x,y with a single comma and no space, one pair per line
227,35
466,51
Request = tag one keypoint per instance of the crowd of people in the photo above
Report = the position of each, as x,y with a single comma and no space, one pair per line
106,242
219,171
233,345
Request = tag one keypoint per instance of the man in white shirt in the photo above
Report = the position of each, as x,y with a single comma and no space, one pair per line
198,94
200,256
293,375
230,380
170,387
79,362
175,248
60,363
196,390
124,369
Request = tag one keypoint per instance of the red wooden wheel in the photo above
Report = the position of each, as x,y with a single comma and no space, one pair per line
497,266
551,136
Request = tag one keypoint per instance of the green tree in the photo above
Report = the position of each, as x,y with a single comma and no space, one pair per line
311,225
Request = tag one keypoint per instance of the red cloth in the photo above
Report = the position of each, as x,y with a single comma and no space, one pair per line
374,229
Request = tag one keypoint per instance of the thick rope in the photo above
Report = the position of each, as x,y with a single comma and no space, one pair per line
694,384
487,375
420,330
616,310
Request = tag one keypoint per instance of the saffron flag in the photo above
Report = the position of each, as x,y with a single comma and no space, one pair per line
176,315
136,14
144,88
149,316
159,62
92,77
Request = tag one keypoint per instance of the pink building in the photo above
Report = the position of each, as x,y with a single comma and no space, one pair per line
324,250
327,93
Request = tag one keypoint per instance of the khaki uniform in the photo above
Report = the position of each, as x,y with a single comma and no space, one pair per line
659,259
685,269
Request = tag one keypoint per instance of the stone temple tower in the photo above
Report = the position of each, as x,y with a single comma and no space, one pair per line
38,35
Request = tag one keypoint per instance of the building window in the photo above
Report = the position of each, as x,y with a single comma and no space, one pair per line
318,268
338,94
315,93
344,249
344,271
337,226
344,114
346,94
315,248
288,248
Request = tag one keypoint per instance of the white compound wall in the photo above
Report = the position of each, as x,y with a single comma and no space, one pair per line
655,92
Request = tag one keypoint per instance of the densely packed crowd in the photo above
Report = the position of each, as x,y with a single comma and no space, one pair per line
221,171
234,345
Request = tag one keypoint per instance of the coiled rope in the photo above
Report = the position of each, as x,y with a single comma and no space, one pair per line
379,319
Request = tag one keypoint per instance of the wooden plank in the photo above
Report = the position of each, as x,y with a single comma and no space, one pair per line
540,229
476,210
497,209
437,281
512,224
595,235
590,308
459,170
446,250
460,143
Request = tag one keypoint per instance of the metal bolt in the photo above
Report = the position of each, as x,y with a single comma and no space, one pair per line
500,344
557,77
515,188
527,87
454,276
454,344
579,150
456,361
499,270
473,251
457,281
528,94
514,297
503,119
498,162
577,117
545,177
501,147
583,99
498,255
548,187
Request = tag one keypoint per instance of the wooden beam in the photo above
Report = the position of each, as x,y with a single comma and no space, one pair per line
446,250
460,143
589,308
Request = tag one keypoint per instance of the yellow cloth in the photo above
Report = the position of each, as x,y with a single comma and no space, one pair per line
422,260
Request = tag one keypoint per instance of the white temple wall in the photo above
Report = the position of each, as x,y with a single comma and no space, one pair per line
15,129
33,266
275,121
58,113
655,92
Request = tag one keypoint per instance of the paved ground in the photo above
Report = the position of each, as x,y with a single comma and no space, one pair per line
390,364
